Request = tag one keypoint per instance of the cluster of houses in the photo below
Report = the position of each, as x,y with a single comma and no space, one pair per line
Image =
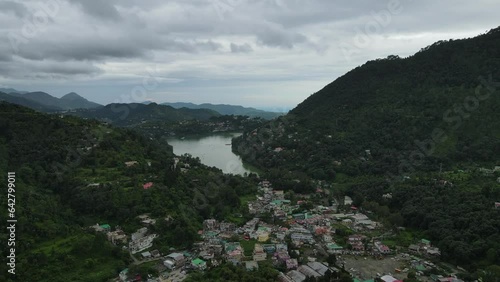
311,231
137,242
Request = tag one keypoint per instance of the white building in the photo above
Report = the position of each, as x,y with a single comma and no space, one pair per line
142,243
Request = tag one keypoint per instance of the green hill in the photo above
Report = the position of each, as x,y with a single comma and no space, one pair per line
45,102
439,106
136,113
424,129
18,99
71,174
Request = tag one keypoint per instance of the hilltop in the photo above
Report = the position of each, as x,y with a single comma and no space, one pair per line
136,113
228,110
45,102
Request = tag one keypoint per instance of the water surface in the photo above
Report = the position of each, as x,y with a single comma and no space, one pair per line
213,150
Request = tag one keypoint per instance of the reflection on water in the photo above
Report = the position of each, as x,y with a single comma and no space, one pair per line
213,150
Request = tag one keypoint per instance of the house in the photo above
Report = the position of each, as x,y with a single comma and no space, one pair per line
356,241
258,253
270,248
308,272
123,275
233,250
117,237
259,256
210,225
148,185
291,264
283,278
335,249
433,251
139,234
318,267
101,228
146,255
388,278
381,248
155,254
227,227
142,243
282,256
174,260
131,163
280,195
425,242
296,276
280,247
263,236
413,248
199,264
302,237
347,201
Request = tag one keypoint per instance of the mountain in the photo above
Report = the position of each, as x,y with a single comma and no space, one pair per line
12,90
414,141
45,102
136,113
75,101
227,109
19,99
442,98
43,98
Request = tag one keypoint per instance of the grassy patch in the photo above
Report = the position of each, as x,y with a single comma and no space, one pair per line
248,246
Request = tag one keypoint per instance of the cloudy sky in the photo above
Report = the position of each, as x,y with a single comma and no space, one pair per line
261,53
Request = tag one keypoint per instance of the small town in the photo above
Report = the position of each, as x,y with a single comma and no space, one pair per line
317,241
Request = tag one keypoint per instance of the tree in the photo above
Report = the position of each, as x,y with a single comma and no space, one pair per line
332,259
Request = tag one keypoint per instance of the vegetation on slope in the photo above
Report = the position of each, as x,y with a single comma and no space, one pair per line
407,127
71,174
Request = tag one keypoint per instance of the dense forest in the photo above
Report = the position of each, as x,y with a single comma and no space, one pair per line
425,129
135,113
71,174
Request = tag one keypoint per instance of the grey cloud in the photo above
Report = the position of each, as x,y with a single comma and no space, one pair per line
279,38
99,9
22,69
191,37
244,48
17,9
88,47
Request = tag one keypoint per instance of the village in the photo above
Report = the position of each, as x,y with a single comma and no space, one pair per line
319,241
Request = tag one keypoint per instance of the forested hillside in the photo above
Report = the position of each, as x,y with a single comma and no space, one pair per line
134,114
71,174
393,107
425,129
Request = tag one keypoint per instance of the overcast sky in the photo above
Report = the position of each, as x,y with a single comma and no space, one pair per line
262,53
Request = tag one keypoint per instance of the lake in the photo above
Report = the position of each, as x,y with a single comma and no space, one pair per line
213,150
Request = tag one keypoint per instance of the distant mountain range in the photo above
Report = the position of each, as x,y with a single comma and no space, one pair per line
45,102
135,113
227,109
